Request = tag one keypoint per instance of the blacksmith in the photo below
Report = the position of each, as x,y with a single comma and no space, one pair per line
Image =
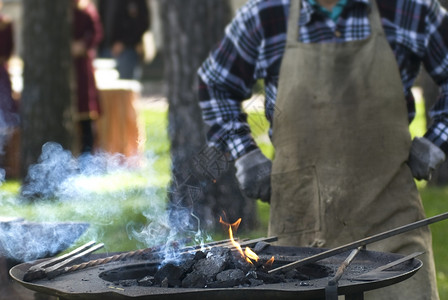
338,77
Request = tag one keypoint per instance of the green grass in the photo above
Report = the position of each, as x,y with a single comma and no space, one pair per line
435,201
124,201
155,124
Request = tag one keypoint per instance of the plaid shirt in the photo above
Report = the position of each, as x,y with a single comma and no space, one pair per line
254,42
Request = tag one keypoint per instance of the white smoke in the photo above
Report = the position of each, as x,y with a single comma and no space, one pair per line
79,184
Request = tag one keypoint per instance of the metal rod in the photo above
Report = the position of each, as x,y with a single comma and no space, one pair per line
38,271
344,266
251,243
229,244
362,242
58,259
55,270
105,260
371,275
331,290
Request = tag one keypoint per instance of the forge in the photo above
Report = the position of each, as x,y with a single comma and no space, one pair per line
136,277
222,270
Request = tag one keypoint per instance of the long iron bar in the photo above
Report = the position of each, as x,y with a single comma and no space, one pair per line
360,243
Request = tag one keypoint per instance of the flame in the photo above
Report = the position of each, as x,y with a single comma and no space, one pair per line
235,227
269,263
248,255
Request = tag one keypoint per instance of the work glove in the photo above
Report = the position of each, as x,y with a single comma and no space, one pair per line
253,172
424,158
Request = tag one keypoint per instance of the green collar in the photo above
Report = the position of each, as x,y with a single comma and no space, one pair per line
334,13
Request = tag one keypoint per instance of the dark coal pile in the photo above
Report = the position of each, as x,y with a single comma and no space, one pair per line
220,268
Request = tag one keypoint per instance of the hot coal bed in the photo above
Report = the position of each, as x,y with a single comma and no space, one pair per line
218,267
221,273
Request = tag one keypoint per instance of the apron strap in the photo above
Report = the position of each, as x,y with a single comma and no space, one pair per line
293,23
375,18
294,19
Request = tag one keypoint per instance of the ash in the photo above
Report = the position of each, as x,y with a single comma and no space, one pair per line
219,267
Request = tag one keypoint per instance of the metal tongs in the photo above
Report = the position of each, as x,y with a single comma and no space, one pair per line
53,267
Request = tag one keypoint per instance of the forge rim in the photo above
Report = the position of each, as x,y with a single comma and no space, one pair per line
86,284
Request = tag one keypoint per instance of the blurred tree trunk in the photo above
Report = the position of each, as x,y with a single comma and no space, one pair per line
46,98
430,95
203,182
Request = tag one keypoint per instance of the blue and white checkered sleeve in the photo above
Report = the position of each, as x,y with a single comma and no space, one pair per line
438,131
228,129
226,79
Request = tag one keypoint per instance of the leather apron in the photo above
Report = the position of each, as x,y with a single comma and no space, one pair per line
341,141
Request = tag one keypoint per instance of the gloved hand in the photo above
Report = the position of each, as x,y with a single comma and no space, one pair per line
424,158
253,172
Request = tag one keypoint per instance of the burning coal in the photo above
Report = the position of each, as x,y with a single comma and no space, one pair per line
213,266
248,255
217,267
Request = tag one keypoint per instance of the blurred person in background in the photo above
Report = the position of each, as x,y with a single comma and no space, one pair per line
9,117
125,22
87,34
7,104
